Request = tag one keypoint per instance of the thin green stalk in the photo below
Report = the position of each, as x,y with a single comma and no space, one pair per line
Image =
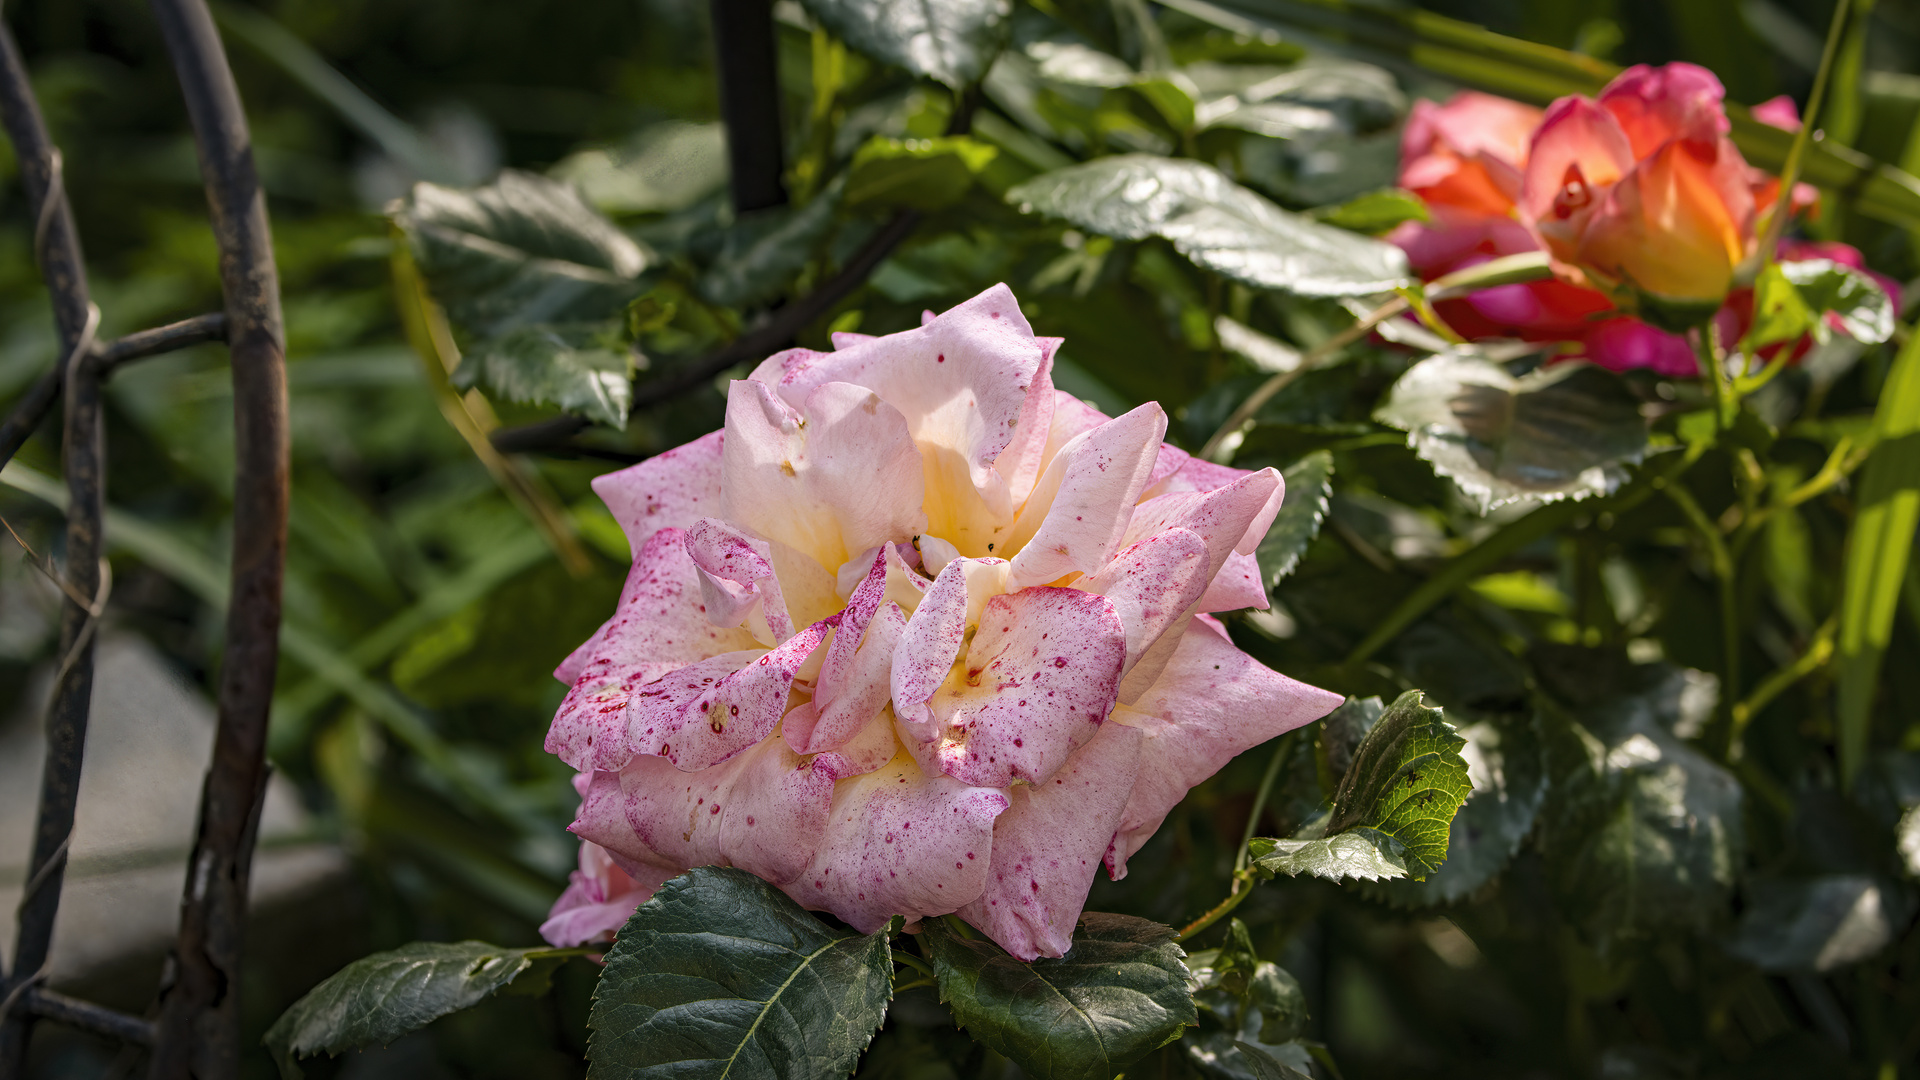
1790,174
1220,910
1819,653
1260,804
909,960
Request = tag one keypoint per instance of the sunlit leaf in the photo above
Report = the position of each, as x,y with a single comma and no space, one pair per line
1877,551
1818,924
1358,854
1391,814
1376,212
575,367
925,174
379,998
1507,764
1214,222
1561,432
952,41
1407,780
722,975
1120,992
664,168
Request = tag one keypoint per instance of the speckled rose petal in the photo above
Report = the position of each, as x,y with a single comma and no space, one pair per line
659,627
667,491
831,477
1038,678
1211,703
763,811
1049,844
1082,504
696,728
737,580
899,842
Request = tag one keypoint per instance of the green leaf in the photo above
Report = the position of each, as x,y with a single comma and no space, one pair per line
1561,432
1215,222
1391,813
1376,212
1780,313
664,168
722,975
952,42
1120,992
1361,854
379,998
1865,310
1265,1066
1817,924
1877,552
924,174
1792,299
1309,489
1506,760
580,367
1648,835
1256,997
764,251
522,250
1406,782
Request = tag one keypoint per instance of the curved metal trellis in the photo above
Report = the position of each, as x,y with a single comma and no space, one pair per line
197,1033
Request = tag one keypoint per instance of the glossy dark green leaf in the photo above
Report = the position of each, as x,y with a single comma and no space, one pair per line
952,42
1258,998
924,174
1818,924
1648,833
1342,730
1564,431
1214,222
762,252
522,250
379,998
1864,309
1120,992
1265,1066
583,369
722,975
1309,487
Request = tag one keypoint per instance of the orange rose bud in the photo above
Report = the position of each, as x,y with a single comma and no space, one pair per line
1641,194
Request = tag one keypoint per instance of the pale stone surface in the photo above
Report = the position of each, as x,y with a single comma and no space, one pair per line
148,745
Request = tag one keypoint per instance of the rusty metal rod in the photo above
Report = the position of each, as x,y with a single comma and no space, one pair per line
34,405
85,1015
57,248
198,1033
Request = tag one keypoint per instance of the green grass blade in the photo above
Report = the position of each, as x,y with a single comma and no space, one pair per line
1883,527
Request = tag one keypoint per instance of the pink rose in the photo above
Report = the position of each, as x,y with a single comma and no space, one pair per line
918,635
600,896
1464,158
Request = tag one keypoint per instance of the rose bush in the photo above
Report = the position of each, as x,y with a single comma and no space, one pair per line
1637,192
916,634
